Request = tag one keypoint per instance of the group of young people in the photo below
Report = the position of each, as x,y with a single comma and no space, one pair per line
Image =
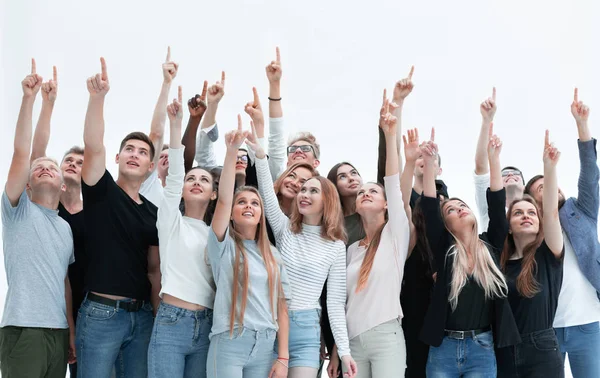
262,267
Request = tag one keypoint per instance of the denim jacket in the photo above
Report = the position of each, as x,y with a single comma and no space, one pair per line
579,216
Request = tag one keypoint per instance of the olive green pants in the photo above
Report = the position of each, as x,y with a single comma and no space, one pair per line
33,352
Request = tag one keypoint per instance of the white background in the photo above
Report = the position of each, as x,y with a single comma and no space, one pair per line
337,57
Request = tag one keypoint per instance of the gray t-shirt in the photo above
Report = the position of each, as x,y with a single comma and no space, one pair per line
258,315
38,248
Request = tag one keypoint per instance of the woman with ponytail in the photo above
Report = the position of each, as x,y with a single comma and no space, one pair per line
375,265
532,260
250,310
469,311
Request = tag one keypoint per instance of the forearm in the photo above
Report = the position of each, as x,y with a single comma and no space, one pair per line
159,117
93,129
175,134
227,182
392,163
275,109
584,131
283,333
406,182
481,155
42,131
495,174
22,143
429,189
155,278
189,141
210,115
69,303
550,203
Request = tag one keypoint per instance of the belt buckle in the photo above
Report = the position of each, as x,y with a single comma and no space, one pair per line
458,335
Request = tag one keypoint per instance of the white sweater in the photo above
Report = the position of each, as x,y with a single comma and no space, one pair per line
379,301
182,243
309,260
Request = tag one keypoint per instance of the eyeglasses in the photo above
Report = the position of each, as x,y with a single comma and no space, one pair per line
514,172
303,148
243,158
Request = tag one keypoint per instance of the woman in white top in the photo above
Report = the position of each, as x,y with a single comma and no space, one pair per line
311,242
179,343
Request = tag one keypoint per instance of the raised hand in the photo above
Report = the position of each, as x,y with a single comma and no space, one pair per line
274,68
254,109
50,88
386,106
98,85
403,87
175,109
551,153
580,111
32,82
429,149
412,150
488,107
494,145
169,68
216,91
235,138
387,121
252,142
197,104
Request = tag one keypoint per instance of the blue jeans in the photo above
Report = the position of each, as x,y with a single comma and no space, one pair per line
108,337
582,344
179,343
305,338
469,358
245,354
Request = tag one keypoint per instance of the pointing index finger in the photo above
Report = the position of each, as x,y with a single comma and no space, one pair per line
432,134
412,70
547,139
168,54
104,71
204,89
576,95
278,55
239,123
494,94
180,94
33,66
223,78
54,74
256,98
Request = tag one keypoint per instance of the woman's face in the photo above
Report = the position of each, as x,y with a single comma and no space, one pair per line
310,198
523,219
457,215
348,181
247,209
370,199
198,186
291,184
242,162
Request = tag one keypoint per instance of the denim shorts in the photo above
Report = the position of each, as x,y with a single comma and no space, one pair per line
305,338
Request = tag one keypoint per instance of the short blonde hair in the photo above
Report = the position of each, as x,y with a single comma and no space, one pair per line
309,138
46,158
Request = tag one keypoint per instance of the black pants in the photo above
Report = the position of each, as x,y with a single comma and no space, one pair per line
538,355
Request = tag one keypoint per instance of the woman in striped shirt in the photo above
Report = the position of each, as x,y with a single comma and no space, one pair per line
312,245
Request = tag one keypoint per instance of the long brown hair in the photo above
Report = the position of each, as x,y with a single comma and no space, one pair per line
367,263
332,225
277,184
240,266
527,285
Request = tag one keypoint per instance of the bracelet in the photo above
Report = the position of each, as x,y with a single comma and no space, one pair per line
283,363
274,99
283,358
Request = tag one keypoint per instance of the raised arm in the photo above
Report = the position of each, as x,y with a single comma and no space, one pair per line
411,153
254,110
205,154
94,157
589,175
494,147
274,73
233,141
42,130
552,230
157,127
488,110
197,107
18,173
497,226
277,137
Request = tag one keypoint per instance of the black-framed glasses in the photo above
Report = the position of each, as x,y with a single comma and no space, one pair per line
514,172
303,148
242,158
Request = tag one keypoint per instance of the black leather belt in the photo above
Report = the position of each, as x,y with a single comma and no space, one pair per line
129,306
461,335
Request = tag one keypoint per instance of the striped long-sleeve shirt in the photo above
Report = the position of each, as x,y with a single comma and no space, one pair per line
309,260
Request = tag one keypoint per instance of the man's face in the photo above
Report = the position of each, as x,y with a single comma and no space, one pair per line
302,151
512,177
537,192
71,168
45,175
163,164
241,163
134,159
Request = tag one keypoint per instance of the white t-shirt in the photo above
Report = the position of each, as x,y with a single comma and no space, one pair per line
152,189
578,302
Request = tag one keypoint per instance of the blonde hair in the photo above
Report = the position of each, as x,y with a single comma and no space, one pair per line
485,271
308,138
46,158
240,266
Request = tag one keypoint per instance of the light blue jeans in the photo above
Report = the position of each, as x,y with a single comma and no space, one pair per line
468,358
246,354
107,338
582,345
179,343
305,338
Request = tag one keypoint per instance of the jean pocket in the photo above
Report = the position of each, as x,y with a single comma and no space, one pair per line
388,328
485,340
590,328
545,342
167,318
100,312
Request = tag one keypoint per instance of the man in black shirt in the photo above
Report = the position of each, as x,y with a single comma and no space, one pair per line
121,242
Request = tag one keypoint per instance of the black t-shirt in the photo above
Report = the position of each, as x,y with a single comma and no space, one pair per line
537,313
473,310
77,269
119,232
